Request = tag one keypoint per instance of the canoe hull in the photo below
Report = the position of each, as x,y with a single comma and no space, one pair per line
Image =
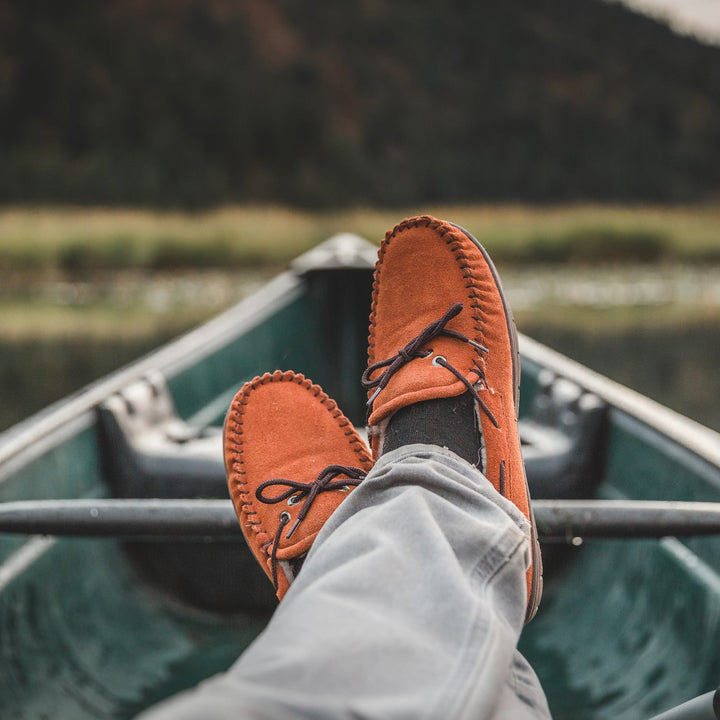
94,628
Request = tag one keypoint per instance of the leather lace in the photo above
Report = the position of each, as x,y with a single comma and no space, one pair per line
415,349
305,493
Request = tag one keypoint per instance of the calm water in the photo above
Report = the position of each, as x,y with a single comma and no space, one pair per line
656,330
677,366
674,362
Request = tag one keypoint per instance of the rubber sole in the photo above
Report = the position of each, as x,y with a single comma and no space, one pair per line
536,584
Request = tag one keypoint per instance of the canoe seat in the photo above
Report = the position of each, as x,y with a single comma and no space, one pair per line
151,452
156,454
563,438
148,451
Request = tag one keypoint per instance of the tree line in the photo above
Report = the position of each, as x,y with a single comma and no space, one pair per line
326,104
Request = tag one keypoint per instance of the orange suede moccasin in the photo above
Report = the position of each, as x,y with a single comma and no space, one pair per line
291,458
440,327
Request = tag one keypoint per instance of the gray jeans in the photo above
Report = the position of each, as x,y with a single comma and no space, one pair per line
409,605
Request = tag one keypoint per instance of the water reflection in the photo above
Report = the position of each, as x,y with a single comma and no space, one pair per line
677,366
655,329
34,373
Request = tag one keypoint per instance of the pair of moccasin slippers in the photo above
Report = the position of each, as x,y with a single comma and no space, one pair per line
442,345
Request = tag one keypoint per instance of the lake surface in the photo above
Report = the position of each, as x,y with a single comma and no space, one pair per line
677,366
654,329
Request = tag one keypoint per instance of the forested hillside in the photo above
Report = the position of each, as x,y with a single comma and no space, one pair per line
327,103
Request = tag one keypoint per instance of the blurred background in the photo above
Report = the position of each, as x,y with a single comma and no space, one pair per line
160,159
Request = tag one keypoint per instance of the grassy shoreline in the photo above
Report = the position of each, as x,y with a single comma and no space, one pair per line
51,240
131,273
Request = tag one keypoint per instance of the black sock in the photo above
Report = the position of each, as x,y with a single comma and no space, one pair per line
447,422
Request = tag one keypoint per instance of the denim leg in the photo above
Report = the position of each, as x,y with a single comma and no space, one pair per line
409,605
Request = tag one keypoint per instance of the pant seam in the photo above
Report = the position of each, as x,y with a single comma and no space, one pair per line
456,706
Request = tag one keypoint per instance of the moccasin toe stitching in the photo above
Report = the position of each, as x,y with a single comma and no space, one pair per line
424,266
282,433
401,307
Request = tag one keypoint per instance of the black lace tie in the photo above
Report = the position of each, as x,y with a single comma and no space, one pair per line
306,493
416,349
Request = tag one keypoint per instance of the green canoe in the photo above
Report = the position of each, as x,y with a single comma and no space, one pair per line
101,627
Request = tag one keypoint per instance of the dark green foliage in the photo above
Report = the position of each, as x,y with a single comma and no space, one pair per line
327,104
590,245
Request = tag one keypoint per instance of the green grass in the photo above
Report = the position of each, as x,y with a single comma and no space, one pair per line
78,240
42,247
590,233
601,321
27,320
